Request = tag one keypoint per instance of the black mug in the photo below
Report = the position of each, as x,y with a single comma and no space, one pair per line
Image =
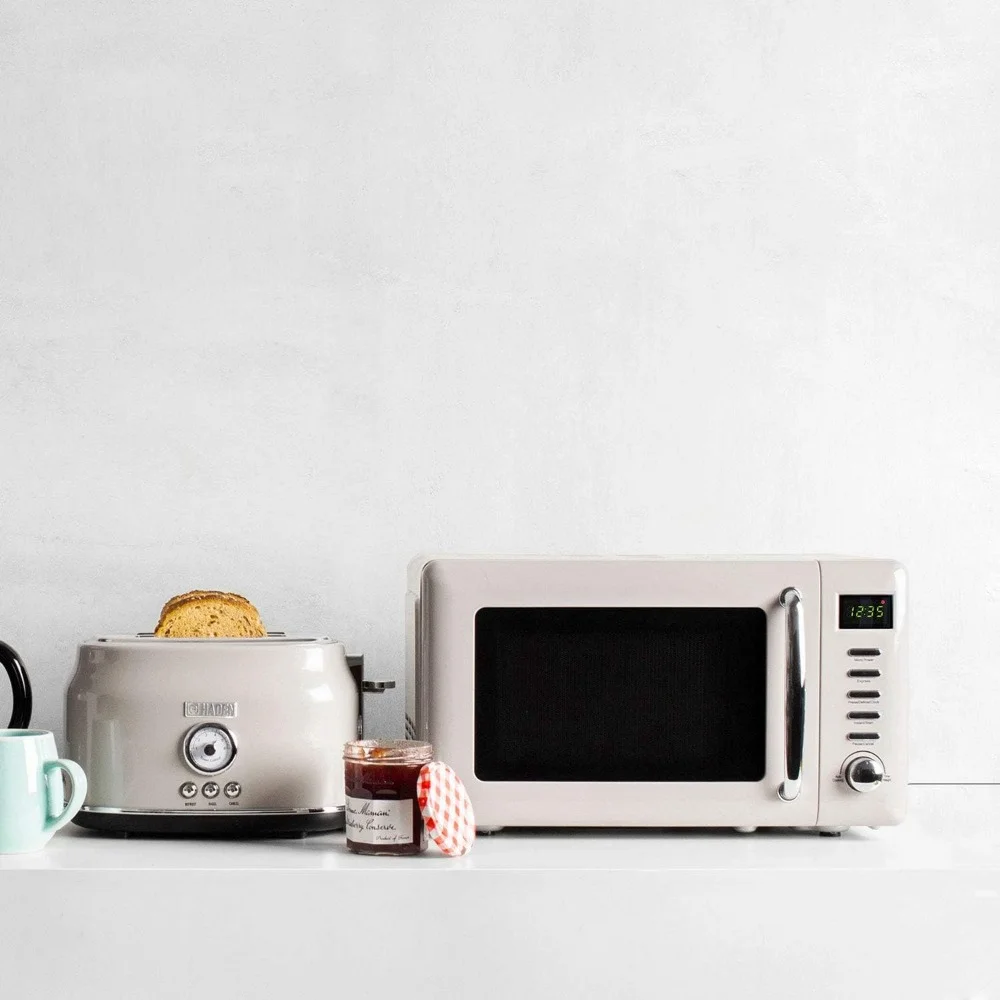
20,717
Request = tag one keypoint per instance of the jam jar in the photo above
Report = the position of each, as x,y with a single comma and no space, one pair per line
380,782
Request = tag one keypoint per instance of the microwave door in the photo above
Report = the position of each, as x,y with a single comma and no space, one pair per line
621,694
693,702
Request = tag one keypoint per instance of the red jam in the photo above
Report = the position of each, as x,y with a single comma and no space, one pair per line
380,781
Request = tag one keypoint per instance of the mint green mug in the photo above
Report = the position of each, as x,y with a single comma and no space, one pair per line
31,793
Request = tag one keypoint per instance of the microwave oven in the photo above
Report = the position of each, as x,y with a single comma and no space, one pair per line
664,692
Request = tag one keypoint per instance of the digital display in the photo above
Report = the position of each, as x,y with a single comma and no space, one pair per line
866,610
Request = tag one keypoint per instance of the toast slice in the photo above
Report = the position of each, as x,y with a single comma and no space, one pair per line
204,614
191,594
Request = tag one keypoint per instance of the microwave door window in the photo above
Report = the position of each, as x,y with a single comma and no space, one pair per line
620,694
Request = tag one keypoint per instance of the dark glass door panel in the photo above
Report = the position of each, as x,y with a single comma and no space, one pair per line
620,694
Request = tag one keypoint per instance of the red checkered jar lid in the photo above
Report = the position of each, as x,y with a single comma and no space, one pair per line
446,809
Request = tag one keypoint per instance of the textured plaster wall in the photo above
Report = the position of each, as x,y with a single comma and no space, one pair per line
290,291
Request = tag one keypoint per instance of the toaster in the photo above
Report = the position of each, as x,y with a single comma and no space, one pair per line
225,737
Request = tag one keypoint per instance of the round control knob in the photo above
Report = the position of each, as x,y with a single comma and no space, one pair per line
864,772
209,748
188,790
210,790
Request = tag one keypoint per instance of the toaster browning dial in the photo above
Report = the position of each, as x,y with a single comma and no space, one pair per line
209,748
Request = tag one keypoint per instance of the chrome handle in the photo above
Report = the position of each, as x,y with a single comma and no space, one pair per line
795,694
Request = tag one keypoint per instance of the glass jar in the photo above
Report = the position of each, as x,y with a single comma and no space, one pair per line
380,781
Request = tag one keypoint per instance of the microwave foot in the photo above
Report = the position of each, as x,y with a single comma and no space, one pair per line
745,829
487,830
831,831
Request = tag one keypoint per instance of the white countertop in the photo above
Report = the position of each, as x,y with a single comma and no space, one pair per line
911,911
949,826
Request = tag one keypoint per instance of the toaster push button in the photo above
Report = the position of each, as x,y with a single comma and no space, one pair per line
188,790
210,790
233,789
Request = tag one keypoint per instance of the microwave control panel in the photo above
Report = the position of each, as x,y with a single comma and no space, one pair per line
863,707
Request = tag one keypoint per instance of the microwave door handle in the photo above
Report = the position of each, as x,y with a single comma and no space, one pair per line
795,694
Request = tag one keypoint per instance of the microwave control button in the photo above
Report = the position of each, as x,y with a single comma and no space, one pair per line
864,772
864,651
210,790
865,716
864,695
188,790
864,672
233,789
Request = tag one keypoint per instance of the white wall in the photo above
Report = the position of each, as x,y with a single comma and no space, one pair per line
291,291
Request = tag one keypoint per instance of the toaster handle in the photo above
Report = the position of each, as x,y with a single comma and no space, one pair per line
356,664
795,694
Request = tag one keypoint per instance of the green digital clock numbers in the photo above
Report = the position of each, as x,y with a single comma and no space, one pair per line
866,610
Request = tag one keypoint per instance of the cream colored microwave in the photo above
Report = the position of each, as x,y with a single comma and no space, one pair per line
664,692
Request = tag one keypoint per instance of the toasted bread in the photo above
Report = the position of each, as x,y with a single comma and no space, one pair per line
209,614
191,594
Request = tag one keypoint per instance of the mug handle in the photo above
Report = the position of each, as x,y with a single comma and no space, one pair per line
77,793
20,716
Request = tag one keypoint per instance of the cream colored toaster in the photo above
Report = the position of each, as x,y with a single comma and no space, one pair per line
233,737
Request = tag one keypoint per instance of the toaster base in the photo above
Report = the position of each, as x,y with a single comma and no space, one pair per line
152,824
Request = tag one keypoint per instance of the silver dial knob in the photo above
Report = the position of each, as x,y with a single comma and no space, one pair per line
210,748
864,772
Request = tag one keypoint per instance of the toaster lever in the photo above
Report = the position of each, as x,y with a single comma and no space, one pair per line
356,664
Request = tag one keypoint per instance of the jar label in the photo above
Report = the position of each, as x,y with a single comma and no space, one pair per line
379,821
